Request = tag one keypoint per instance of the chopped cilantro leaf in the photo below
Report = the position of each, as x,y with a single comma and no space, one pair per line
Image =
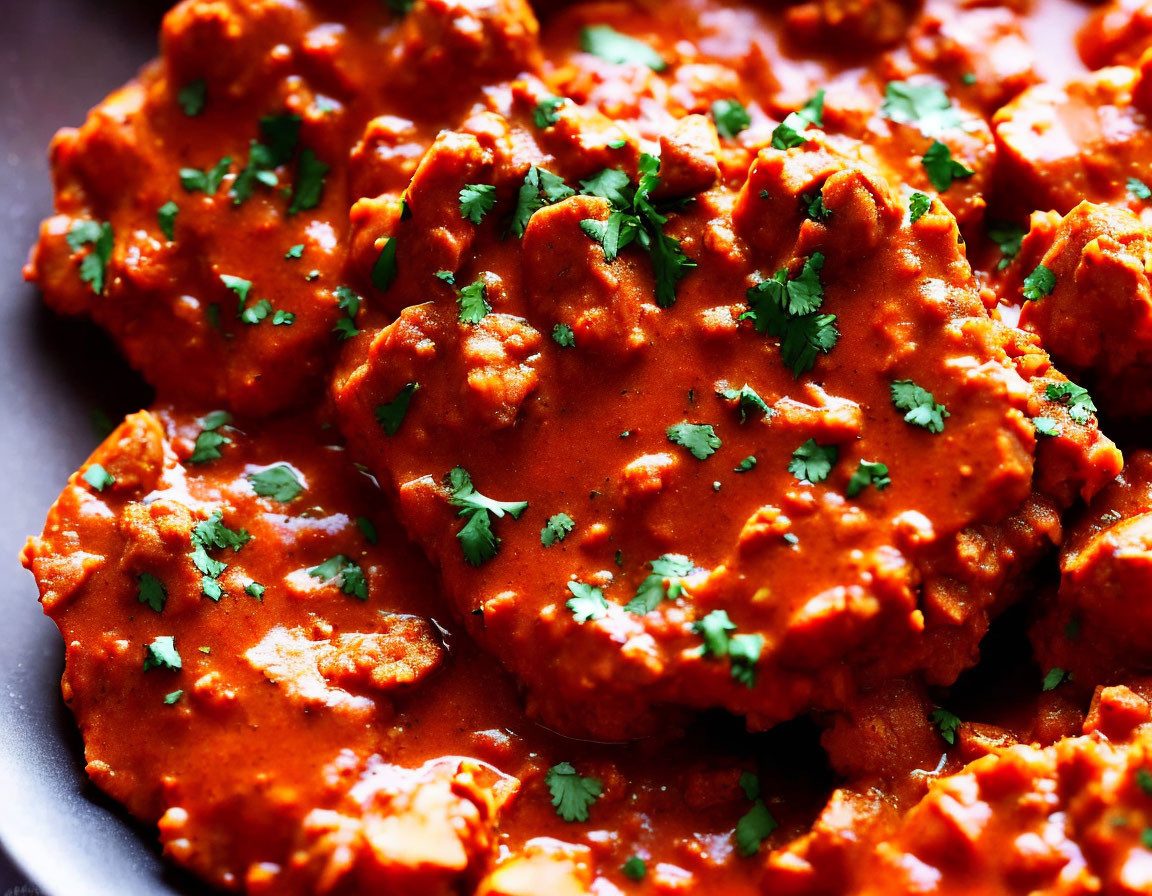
753,828
607,43
391,414
699,438
208,445
310,174
941,168
1046,426
814,207
791,132
194,180
1009,238
476,200
253,314
587,602
788,309
918,204
348,301
256,590
946,723
473,302
556,529
812,462
367,529
296,251
1144,780
192,97
923,105
240,286
173,697
868,473
1079,402
743,654
384,270
714,631
161,654
611,184
344,573
668,568
151,591
634,868
746,465
545,114
94,265
279,483
620,230
281,134
283,318
748,401
540,188
97,477
731,117
166,218
750,784
1054,678
446,276
563,336
1138,188
1039,283
572,795
920,406
212,533
476,538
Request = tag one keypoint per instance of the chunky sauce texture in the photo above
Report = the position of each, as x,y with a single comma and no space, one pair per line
620,447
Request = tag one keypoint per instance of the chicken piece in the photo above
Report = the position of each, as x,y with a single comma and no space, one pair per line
1099,258
695,584
1117,33
852,23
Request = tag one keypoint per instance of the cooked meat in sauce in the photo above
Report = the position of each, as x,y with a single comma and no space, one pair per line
619,446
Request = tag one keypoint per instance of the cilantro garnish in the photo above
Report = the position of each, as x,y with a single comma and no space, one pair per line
240,286
384,269
476,200
792,131
540,188
743,651
1009,238
97,477
192,97
753,828
563,336
556,529
401,7
473,302
1144,780
343,572
173,697
349,302
1039,283
253,314
310,174
1054,678
1046,426
920,405
94,265
162,654
279,483
281,134
814,207
1138,188
367,529
196,181
748,401
946,723
611,184
634,869
918,204
1079,402
572,795
731,117
294,252
151,591
586,603
166,218
664,583
210,439
699,438
608,44
812,462
941,168
391,414
746,466
283,318
868,473
208,534
545,114
256,590
476,537
789,310
923,105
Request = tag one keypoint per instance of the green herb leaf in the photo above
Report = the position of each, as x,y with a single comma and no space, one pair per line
918,205
1009,238
344,573
1039,283
540,188
611,184
699,438
256,590
368,529
946,723
212,533
209,441
814,207
166,218
94,265
310,174
749,401
1046,426
746,465
1138,188
279,483
473,302
173,697
572,795
556,529
923,105
664,583
476,200
634,868
192,97
788,309
791,132
384,270
1054,678
545,114
586,602
391,414
731,117
714,630
476,538
194,180
1079,402
283,318
941,168
868,473
753,828
1144,780
349,302
920,405
151,591
161,654
607,43
97,477
253,314
293,252
812,462
563,336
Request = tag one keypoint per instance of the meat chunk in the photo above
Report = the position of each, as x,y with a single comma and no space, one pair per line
852,23
1099,258
1117,33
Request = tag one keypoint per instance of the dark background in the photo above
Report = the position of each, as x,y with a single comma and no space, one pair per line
57,59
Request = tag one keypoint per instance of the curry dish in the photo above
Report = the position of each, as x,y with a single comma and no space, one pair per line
666,446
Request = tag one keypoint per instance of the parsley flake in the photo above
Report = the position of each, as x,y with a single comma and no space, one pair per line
1054,678
193,180
587,602
868,473
476,200
748,401
698,438
256,590
296,251
1039,283
279,483
605,42
556,529
812,462
192,97
173,697
473,302
476,537
572,795
367,529
344,573
545,114
384,269
946,723
391,414
753,828
1008,237
563,336
540,188
747,465
1079,402
348,301
664,583
94,265
791,132
941,168
310,174
162,654
731,117
166,218
151,591
743,651
924,105
789,310
918,205
210,439
1046,426
919,404
97,477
